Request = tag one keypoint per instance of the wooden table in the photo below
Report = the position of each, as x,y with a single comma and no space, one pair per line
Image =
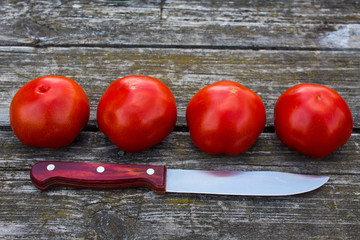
266,46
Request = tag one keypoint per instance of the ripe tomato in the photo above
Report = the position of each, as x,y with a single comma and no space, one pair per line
136,112
49,111
312,119
225,117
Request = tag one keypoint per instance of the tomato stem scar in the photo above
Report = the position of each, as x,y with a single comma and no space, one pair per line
43,89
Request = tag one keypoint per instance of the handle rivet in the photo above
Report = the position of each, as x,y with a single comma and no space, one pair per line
150,171
100,169
50,167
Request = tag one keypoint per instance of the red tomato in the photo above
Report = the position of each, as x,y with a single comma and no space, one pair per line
312,119
136,112
49,111
225,117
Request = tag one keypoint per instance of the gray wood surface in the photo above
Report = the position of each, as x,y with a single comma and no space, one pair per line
266,46
243,24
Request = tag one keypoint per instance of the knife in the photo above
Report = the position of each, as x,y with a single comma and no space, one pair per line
49,174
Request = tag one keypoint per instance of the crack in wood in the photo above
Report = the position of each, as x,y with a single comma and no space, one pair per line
162,4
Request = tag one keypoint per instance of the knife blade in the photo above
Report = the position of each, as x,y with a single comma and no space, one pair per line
49,174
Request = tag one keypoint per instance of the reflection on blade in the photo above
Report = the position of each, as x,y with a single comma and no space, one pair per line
254,183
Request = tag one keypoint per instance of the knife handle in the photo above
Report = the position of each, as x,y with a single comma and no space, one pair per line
49,174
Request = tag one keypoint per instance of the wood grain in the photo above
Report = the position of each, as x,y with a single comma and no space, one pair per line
128,214
99,176
268,72
243,24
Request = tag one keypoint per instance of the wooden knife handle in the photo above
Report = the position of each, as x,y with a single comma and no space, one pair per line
48,174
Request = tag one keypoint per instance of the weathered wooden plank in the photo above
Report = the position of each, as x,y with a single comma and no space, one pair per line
185,71
128,214
245,24
178,151
132,214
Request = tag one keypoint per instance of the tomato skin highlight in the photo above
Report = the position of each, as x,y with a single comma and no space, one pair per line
137,112
225,117
312,119
49,112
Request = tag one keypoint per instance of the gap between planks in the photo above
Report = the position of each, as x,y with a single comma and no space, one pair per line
39,44
177,128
